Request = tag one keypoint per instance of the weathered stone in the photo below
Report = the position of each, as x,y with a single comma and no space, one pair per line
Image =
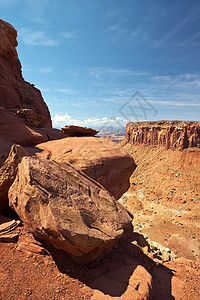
67,208
170,134
9,238
16,94
51,133
31,247
101,159
114,285
72,130
14,131
8,172
7,225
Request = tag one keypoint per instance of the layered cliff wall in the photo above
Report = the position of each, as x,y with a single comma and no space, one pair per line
16,94
170,134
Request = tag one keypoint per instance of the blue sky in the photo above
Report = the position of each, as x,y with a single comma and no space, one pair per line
104,63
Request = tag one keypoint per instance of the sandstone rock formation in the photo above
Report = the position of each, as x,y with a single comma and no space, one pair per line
67,208
113,283
13,131
16,94
101,159
170,134
8,172
24,116
72,130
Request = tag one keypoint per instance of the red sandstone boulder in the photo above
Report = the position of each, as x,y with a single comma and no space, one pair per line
72,130
101,159
67,208
8,172
16,94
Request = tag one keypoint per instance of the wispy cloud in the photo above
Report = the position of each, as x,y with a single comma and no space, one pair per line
66,91
114,72
176,29
46,70
39,38
69,35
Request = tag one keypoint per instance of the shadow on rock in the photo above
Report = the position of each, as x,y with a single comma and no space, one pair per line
124,272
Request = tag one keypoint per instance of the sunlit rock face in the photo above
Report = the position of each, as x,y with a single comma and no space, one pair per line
170,134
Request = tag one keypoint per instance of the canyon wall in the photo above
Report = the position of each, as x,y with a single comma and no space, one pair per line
170,134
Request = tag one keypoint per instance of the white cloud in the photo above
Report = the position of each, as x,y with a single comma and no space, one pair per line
60,120
41,38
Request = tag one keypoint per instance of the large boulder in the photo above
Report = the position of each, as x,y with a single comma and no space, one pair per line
8,172
72,130
16,94
101,159
64,206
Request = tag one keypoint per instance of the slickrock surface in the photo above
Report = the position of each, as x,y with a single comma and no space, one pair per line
8,172
67,208
99,158
16,94
170,134
72,130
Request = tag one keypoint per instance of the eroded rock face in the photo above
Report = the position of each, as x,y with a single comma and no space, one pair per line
99,158
72,130
13,131
16,94
8,172
67,208
170,134
139,285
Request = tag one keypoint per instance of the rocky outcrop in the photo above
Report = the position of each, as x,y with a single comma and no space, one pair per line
16,94
99,158
8,172
72,130
13,131
170,134
67,208
24,116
